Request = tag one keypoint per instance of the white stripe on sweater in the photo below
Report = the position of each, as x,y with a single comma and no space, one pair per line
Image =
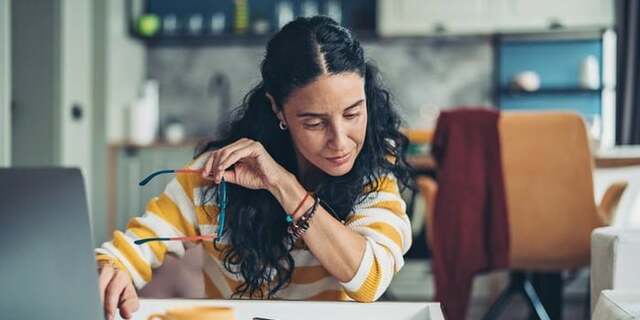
382,240
373,198
179,197
162,228
386,264
143,251
110,250
363,270
376,215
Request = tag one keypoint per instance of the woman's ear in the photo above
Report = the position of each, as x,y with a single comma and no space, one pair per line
275,109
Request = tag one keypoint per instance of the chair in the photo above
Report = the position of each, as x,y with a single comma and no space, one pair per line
547,168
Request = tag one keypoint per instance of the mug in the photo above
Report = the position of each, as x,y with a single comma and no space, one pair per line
195,313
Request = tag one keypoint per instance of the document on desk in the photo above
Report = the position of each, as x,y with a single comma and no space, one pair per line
296,310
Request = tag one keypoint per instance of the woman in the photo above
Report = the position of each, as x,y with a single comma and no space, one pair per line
316,141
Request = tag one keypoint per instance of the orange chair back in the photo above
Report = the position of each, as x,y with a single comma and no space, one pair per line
547,167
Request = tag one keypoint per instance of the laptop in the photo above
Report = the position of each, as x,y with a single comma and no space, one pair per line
47,264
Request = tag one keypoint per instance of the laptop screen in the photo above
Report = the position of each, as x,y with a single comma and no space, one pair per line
47,269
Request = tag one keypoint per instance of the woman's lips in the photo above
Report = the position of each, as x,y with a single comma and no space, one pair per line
340,160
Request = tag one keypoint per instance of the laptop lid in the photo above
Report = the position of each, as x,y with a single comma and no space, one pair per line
47,265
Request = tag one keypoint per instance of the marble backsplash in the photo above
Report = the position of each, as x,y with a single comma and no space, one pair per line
200,85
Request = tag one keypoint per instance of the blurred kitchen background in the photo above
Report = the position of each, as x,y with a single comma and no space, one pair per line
121,88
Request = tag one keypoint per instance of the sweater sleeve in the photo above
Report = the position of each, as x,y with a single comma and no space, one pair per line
171,214
381,218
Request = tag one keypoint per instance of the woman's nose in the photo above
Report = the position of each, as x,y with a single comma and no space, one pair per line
338,139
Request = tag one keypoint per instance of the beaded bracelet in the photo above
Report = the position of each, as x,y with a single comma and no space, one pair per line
299,227
292,215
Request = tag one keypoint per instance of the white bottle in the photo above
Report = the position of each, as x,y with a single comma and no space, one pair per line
590,73
309,8
284,13
144,115
334,10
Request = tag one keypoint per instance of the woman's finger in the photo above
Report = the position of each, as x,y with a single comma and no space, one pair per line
230,176
211,171
106,273
234,157
128,302
115,288
207,167
222,154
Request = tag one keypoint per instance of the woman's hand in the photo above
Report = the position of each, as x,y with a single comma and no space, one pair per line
117,292
253,167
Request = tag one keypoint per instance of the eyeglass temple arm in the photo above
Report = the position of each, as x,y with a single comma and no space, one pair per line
159,172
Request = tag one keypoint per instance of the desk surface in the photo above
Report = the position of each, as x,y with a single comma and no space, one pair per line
619,156
295,310
617,304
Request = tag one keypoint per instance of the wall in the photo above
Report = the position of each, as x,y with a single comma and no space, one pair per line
119,70
124,68
423,75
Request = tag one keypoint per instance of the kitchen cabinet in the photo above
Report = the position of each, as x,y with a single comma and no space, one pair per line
416,17
201,22
539,15
459,17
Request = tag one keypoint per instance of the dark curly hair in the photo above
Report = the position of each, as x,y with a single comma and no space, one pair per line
255,226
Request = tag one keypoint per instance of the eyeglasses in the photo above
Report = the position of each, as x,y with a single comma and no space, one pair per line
221,196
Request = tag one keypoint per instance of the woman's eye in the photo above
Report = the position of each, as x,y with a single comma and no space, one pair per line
313,125
351,116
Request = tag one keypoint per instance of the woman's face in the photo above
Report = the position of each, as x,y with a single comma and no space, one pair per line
328,122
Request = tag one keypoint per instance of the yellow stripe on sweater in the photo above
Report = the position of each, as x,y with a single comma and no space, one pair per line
185,180
394,206
102,258
388,231
367,291
157,247
143,268
207,214
384,184
164,208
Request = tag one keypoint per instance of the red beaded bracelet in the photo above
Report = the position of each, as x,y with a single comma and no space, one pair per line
292,215
298,228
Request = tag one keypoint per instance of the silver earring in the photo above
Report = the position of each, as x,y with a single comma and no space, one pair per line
282,125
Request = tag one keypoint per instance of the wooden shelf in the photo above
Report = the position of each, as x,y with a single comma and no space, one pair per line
550,91
223,39
191,142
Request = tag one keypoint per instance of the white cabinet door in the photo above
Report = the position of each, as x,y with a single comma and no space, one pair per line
52,79
541,15
433,17
419,17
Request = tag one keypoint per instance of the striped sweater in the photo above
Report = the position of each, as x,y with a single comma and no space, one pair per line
178,211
